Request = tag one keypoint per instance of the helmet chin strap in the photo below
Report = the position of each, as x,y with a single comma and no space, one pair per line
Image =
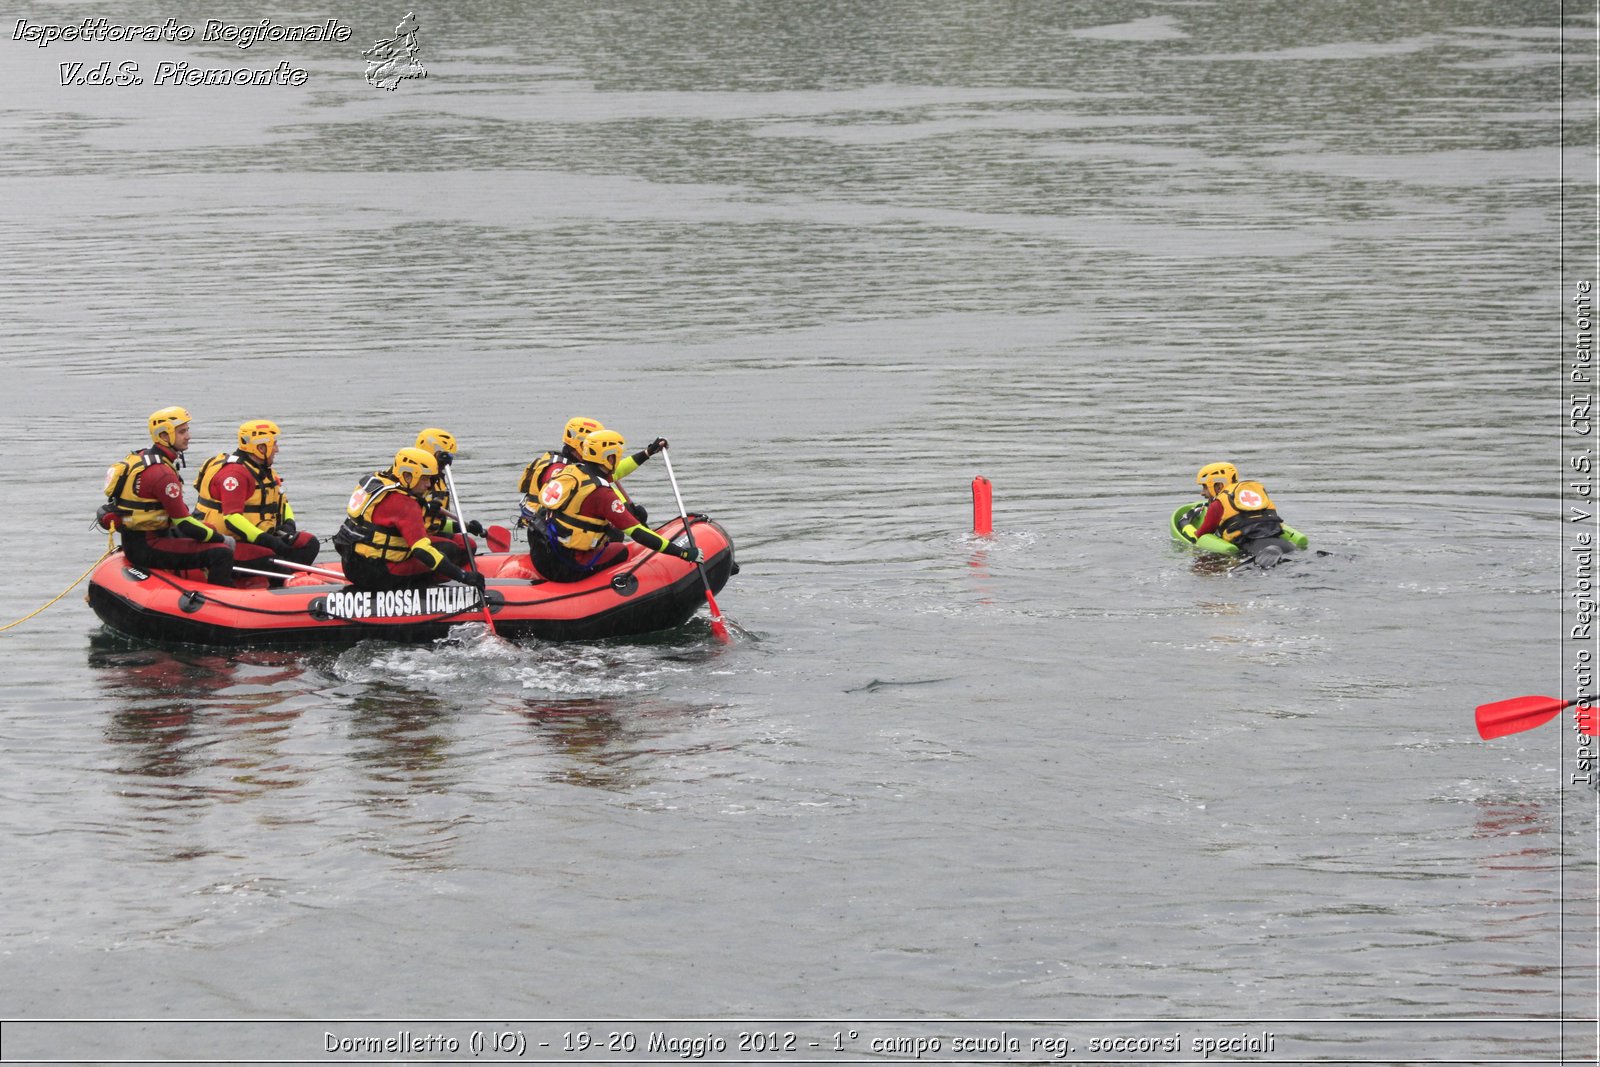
172,447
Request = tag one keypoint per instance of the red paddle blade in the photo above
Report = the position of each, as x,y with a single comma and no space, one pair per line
499,539
718,627
1517,714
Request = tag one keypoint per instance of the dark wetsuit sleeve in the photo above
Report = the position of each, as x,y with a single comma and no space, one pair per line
648,537
163,484
232,502
605,505
403,513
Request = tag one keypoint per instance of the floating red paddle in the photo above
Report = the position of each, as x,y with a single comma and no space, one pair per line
1522,713
718,627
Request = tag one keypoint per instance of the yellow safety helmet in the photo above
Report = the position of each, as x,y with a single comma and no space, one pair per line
259,437
604,448
411,465
577,429
164,422
1213,473
436,440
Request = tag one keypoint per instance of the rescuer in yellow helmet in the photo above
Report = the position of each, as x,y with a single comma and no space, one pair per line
541,470
1236,511
241,495
144,503
580,518
385,543
438,507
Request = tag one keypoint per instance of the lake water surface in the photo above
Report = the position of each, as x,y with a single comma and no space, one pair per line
1066,782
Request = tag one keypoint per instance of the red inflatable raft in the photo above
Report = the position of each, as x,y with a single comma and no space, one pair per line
647,592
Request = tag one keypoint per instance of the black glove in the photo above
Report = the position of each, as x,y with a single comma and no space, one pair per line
277,544
639,512
433,509
475,528
107,518
445,459
288,529
655,446
688,555
456,574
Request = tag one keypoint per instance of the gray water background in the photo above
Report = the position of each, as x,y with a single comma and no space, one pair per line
846,257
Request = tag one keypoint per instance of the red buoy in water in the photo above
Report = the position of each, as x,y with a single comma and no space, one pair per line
982,507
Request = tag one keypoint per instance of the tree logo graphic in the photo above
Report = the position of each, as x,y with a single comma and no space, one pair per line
392,61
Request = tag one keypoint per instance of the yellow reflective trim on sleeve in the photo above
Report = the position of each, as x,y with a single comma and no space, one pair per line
244,527
190,520
647,537
424,548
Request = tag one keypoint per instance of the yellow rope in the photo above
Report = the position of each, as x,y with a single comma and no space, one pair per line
111,546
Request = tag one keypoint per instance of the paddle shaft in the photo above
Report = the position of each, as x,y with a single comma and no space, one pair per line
718,627
472,565
308,568
260,574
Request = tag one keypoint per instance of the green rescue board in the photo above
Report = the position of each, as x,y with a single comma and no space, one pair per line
1213,543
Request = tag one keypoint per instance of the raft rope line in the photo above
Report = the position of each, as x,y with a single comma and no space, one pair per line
103,557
